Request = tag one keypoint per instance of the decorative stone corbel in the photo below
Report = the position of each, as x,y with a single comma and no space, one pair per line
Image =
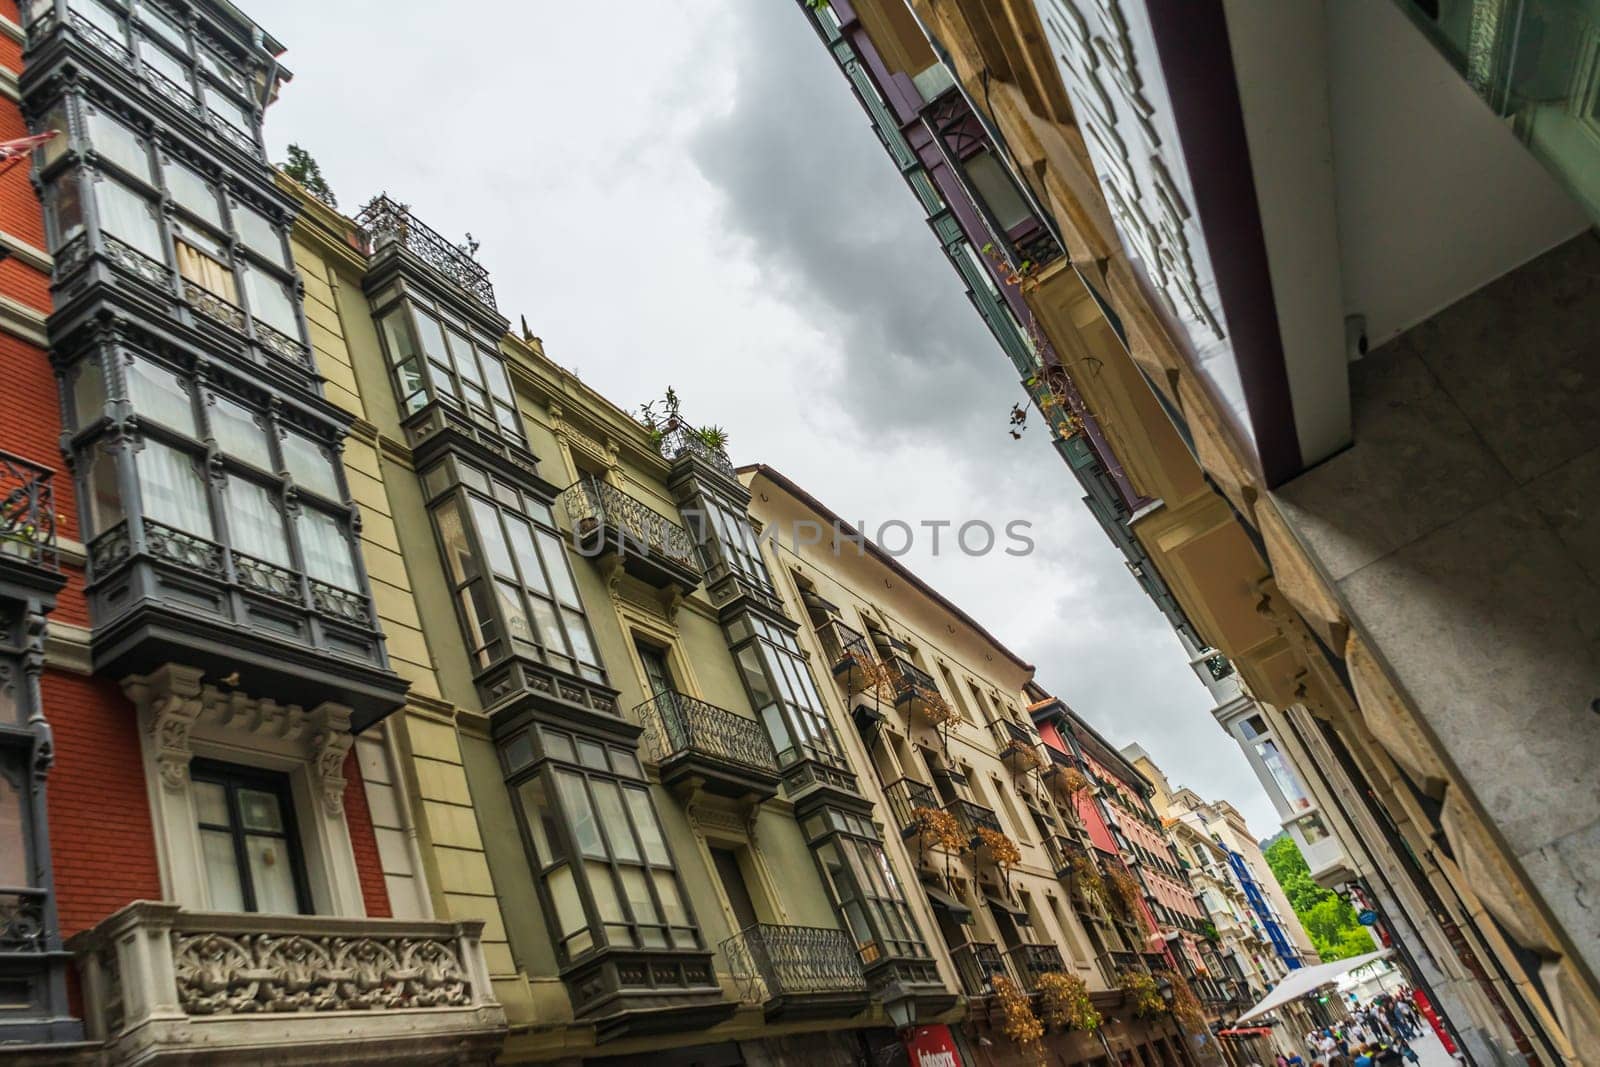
328,746
172,697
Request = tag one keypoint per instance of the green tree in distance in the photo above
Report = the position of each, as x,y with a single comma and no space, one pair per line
1329,920
303,169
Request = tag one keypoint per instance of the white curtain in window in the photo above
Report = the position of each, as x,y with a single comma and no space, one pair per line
255,526
327,552
270,302
174,494
127,216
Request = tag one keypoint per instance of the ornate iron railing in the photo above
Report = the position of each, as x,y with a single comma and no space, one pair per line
677,723
1125,961
22,913
27,511
684,440
839,641
1031,962
593,505
905,796
978,962
972,816
769,961
385,220
1061,850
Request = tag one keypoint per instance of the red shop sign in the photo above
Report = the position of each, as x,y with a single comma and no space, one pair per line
932,1046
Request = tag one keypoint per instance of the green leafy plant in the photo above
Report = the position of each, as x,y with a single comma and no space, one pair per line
304,169
1140,989
1066,1003
1329,920
713,437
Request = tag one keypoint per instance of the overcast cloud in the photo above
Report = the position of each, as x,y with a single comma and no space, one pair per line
690,195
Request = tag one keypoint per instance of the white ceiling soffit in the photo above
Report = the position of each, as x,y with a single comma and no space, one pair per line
1436,197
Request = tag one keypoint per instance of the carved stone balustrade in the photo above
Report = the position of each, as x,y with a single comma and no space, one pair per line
162,984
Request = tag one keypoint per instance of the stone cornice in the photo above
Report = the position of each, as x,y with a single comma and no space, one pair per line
23,322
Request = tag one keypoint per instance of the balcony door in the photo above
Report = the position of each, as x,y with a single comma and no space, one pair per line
658,676
248,842
734,887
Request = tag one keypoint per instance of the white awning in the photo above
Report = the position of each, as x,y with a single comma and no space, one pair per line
1308,980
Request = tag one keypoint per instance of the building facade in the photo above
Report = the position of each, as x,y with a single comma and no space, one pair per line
1289,378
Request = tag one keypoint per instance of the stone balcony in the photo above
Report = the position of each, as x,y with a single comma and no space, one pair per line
164,985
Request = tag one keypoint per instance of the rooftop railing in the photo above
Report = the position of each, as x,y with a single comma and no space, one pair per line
385,220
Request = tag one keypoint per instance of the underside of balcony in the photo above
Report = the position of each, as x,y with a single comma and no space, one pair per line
635,993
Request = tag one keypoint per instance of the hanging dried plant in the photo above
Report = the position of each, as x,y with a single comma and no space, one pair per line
1089,881
1001,848
1185,1005
1140,989
1065,1000
1075,781
937,828
1019,1023
1130,897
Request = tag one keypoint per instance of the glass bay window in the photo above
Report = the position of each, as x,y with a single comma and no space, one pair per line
782,691
215,238
863,886
435,355
508,568
605,871
212,466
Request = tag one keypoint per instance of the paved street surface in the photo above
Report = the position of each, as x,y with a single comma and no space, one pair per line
1432,1053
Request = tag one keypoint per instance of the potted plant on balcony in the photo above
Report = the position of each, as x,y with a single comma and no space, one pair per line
937,828
998,849
1066,1003
1087,877
1141,993
1018,1022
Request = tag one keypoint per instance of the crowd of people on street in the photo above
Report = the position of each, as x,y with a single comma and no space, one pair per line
1375,1034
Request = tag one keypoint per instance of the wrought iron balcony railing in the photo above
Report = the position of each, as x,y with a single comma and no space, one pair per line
769,962
675,724
1062,850
978,962
596,507
1125,961
972,816
158,975
686,441
384,220
27,512
1017,746
1032,962
906,796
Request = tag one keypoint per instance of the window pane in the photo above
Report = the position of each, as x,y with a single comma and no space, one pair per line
465,359
580,816
608,799
458,553
398,336
310,465
165,64
211,803
160,394
238,433
604,890
511,610
66,207
671,900
203,268
88,393
636,888
542,825
192,192
173,492
163,27
544,617
116,142
255,524
569,908
527,556
220,69
100,16
270,302
222,870
271,875
231,110
555,558
487,520
129,217
258,233
105,495
578,635
431,336
326,550
644,821
13,835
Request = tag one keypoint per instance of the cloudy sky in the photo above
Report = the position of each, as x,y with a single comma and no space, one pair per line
688,195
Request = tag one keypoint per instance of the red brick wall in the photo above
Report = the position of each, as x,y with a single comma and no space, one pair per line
101,839
374,890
